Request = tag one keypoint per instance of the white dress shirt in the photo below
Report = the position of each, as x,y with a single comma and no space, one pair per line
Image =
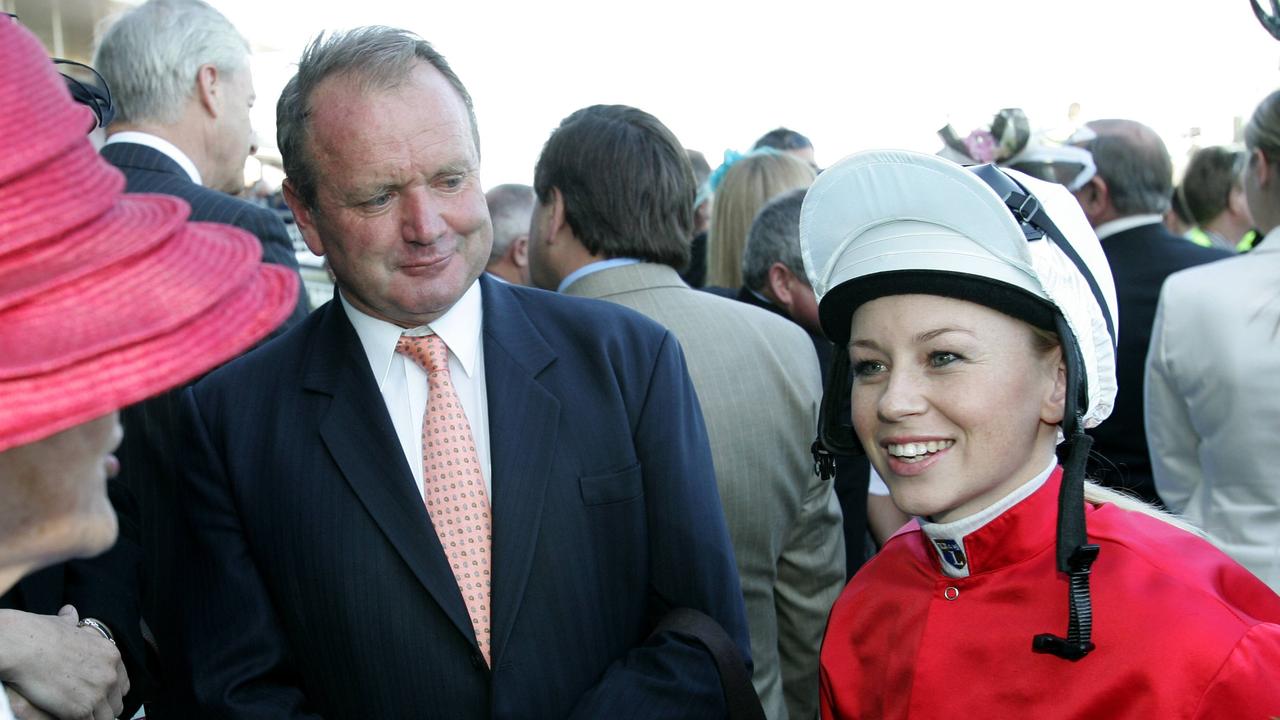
404,385
160,145
5,712
1107,229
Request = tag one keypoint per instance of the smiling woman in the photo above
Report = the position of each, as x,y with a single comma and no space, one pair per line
976,305
971,399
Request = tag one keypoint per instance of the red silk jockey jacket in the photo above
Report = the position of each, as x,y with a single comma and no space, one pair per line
1182,631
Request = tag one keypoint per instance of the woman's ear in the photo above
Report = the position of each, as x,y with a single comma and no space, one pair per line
1055,401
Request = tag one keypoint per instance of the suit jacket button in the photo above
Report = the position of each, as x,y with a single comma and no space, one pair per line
477,660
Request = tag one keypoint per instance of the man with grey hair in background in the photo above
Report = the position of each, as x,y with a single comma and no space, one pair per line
180,78
179,74
510,207
1125,202
774,278
773,274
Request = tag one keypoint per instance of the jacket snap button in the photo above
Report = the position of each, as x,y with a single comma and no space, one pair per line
951,593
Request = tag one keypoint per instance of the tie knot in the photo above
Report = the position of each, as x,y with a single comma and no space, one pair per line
428,351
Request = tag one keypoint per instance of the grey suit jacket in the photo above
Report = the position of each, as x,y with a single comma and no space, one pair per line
758,382
1212,383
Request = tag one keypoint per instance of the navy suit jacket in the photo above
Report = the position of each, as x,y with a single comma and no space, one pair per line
318,586
1140,258
150,457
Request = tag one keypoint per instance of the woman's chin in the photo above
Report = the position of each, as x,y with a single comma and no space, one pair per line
83,536
101,531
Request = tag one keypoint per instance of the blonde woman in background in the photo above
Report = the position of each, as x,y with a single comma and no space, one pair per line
744,184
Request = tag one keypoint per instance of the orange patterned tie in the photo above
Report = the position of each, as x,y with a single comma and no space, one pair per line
452,482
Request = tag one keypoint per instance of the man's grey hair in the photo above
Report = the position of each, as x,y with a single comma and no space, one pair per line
774,237
379,58
1135,164
510,207
150,56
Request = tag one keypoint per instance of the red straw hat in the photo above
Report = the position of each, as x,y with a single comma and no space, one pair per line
105,298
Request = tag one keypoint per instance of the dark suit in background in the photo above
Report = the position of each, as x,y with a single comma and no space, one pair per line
318,586
1140,258
150,456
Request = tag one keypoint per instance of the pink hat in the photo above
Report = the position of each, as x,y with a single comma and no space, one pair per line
105,298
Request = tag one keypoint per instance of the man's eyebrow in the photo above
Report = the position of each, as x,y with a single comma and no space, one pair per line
360,193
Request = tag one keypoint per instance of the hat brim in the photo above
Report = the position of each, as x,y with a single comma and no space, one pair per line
838,306
128,302
134,225
34,206
37,406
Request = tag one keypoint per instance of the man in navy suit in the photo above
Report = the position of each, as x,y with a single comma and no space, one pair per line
179,74
1125,202
319,582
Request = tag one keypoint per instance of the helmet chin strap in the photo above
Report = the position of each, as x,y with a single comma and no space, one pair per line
1075,555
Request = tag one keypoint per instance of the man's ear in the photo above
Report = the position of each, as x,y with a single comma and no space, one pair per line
303,217
779,284
208,89
1261,168
1095,199
519,251
557,217
1237,202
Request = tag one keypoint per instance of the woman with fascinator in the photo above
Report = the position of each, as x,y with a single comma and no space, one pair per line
978,314
741,186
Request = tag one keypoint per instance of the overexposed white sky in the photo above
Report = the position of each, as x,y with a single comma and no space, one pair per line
850,75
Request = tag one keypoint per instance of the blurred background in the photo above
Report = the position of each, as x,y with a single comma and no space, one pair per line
850,76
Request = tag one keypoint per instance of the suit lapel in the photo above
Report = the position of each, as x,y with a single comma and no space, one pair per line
523,422
358,434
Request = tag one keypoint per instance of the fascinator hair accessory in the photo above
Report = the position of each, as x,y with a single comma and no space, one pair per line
731,157
1008,135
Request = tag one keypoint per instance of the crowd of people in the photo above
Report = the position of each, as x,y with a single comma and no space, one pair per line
988,429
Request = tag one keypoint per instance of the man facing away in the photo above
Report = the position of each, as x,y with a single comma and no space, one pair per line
774,278
510,206
1124,202
179,74
615,207
180,78
440,494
